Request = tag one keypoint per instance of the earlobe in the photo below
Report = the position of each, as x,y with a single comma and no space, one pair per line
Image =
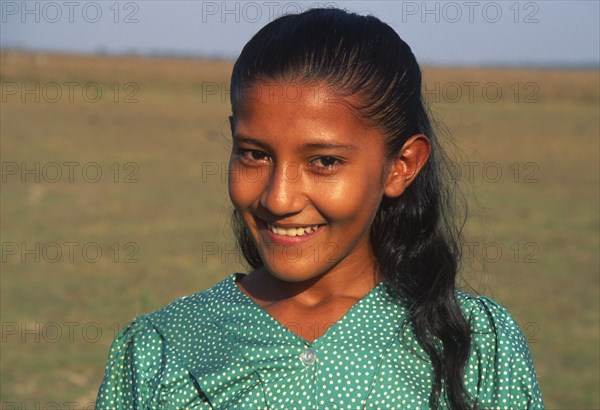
407,165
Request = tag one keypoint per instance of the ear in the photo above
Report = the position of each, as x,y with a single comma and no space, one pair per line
407,164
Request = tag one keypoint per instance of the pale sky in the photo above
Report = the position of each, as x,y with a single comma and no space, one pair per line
466,32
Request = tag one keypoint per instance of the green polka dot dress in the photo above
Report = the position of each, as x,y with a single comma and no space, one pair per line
218,349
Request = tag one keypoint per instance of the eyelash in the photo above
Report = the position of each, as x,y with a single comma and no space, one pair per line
327,168
244,153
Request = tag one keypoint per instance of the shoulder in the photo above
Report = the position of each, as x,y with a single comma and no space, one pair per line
500,369
139,345
202,308
485,314
149,332
134,343
493,326
132,367
159,343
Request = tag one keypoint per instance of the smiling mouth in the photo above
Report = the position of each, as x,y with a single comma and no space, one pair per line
296,231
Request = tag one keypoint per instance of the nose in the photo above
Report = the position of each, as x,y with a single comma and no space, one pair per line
284,192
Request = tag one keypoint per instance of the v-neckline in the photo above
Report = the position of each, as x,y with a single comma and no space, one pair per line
328,332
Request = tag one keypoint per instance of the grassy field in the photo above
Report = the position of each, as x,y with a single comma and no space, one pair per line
115,204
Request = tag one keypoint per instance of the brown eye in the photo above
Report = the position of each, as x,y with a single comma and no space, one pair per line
327,162
326,165
252,155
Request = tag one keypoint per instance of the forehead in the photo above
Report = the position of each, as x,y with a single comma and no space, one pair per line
296,110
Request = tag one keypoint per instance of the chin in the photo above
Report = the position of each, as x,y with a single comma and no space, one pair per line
289,271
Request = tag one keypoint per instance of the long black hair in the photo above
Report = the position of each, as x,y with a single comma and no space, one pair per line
415,237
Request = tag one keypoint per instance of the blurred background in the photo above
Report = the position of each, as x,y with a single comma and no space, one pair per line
114,148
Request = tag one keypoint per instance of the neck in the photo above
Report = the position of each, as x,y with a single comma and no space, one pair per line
353,280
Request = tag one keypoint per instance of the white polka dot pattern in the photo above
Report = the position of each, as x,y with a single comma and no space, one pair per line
218,349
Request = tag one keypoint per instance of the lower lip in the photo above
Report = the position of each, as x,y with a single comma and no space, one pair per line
290,240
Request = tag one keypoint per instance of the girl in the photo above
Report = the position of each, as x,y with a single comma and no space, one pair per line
344,214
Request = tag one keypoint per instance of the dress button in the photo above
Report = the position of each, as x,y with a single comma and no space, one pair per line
308,356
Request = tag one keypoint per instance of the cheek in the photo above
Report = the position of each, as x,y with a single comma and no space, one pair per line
245,184
350,198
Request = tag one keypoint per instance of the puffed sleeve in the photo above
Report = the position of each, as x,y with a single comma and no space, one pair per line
500,372
134,360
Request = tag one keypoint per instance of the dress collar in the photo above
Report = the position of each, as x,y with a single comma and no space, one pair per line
332,333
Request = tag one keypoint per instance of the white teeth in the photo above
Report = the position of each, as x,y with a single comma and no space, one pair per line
292,231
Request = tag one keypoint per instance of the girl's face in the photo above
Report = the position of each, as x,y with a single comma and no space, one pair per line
306,177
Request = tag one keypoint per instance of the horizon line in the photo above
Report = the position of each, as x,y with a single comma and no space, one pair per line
185,55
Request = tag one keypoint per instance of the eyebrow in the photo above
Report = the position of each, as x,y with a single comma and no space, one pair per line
309,146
